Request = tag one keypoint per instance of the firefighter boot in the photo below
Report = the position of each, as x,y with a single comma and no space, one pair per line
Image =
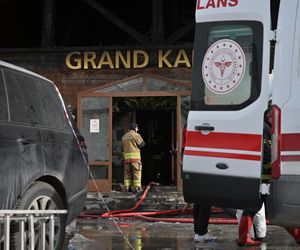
244,232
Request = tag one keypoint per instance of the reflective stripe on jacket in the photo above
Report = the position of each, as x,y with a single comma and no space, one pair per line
267,147
133,156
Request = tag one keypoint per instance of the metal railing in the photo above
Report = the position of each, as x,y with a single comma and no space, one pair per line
29,223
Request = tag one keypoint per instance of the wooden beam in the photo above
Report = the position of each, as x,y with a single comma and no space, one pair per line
118,22
69,26
175,13
180,33
48,31
158,30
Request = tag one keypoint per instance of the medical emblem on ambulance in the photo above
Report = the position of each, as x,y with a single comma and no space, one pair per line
223,66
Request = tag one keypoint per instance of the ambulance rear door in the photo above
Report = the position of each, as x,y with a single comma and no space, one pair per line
223,154
284,202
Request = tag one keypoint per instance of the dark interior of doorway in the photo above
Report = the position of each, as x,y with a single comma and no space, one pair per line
156,117
156,129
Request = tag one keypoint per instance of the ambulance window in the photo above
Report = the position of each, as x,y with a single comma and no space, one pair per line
227,65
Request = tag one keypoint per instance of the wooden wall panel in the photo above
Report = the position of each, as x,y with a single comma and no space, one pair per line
70,82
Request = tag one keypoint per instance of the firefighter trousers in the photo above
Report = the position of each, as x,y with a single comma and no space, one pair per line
133,175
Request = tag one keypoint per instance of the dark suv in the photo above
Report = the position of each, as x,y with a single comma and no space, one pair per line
42,165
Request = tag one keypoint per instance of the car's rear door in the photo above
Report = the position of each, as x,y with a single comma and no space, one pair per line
223,154
10,157
24,125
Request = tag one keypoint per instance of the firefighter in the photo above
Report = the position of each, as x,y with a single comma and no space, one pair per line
260,218
266,173
132,142
246,220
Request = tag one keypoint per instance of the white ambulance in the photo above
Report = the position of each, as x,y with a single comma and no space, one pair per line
233,58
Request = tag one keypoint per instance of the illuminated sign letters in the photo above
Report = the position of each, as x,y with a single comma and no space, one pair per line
135,59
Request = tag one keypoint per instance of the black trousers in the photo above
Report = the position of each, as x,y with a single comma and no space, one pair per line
252,213
248,213
201,218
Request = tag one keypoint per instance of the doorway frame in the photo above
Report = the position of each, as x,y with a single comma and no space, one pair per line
106,184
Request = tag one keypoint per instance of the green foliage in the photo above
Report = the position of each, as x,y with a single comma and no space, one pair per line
144,103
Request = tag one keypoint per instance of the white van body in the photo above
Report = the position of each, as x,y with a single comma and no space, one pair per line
222,161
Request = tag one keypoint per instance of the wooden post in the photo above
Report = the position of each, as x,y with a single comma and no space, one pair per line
48,30
158,30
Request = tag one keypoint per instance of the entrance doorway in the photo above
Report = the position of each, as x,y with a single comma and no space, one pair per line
156,117
105,112
157,128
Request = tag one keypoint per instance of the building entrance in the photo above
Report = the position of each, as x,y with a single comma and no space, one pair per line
158,129
159,105
156,117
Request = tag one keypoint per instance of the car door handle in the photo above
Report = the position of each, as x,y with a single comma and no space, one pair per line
24,141
205,128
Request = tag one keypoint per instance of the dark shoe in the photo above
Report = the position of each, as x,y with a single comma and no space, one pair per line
137,190
260,238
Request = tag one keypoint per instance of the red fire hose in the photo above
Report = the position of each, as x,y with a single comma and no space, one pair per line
130,214
188,220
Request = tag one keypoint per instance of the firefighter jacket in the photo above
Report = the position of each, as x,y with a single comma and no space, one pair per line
267,146
131,144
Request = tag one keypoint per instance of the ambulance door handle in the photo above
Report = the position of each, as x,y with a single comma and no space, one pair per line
205,128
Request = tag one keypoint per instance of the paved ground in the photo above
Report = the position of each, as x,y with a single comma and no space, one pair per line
98,233
123,234
156,198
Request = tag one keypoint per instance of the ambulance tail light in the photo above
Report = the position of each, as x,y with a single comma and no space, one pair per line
276,138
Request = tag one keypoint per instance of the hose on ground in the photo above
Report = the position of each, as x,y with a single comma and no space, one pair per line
131,213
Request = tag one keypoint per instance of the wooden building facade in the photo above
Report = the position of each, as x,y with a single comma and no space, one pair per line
147,81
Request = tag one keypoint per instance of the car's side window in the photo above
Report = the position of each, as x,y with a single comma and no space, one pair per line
3,101
22,94
51,106
33,100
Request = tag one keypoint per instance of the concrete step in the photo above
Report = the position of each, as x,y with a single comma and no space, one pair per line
157,198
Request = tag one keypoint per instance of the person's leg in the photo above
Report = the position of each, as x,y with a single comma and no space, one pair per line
127,176
137,176
238,215
204,214
260,224
201,220
196,215
245,225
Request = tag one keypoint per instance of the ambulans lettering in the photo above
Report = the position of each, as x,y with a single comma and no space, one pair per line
206,4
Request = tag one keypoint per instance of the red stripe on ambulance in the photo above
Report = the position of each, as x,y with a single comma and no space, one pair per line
290,142
223,155
233,141
290,158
